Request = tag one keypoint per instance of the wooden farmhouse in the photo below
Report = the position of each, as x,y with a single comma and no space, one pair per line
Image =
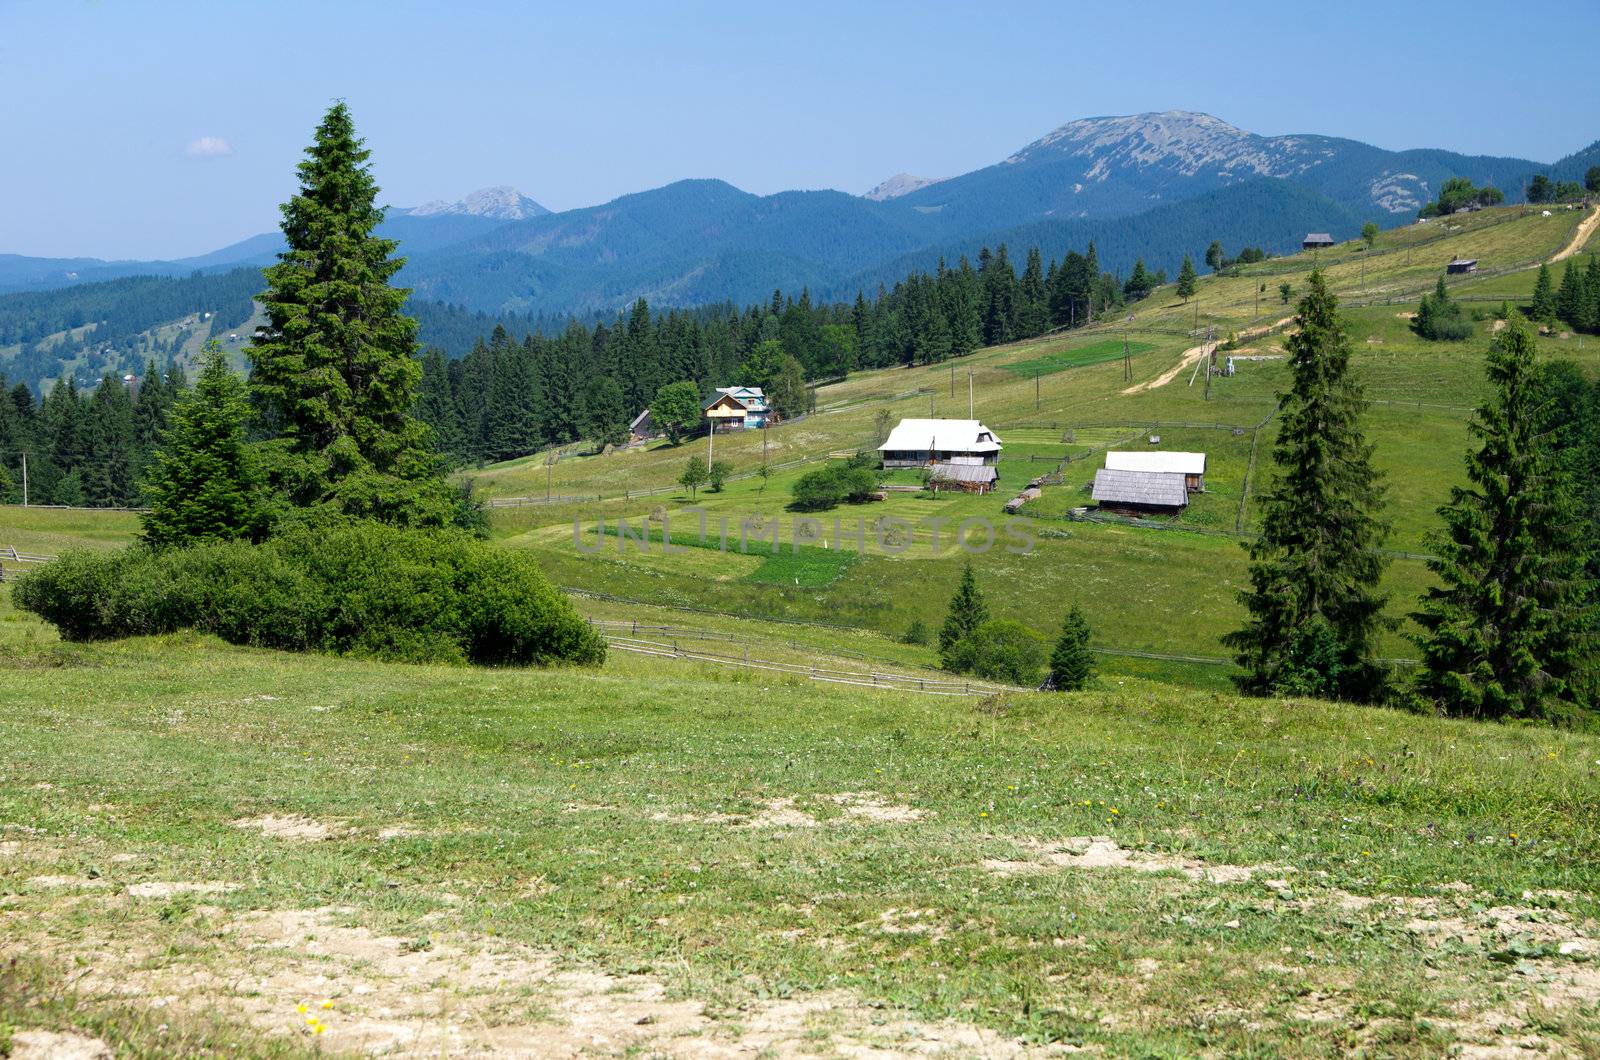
1461,266
1316,241
736,408
927,443
1192,466
642,429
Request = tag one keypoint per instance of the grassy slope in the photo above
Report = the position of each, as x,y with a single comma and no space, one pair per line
1181,585
530,799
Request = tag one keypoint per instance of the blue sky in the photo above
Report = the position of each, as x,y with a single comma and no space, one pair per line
148,128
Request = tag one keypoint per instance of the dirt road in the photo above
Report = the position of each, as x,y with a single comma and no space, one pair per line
1195,353
1586,229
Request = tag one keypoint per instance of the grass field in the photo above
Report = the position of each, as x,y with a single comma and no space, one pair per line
214,849
669,858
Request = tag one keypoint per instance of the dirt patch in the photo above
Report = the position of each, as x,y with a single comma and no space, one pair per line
57,1045
398,831
308,974
172,888
302,829
1405,316
779,813
869,806
1103,852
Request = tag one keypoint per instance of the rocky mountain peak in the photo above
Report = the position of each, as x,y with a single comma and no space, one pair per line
502,203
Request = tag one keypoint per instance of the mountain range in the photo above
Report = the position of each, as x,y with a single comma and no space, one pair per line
1154,186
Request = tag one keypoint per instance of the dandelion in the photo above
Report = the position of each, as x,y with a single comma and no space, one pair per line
327,1002
1113,810
985,813
302,1008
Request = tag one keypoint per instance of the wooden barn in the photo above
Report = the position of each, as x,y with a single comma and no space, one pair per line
1461,266
642,429
1140,493
1317,241
970,478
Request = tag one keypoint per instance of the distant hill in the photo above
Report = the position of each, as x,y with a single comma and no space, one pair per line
1268,213
1110,167
696,242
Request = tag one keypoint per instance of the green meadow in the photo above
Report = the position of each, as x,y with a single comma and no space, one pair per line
215,849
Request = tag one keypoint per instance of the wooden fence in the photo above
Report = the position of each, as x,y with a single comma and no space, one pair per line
10,554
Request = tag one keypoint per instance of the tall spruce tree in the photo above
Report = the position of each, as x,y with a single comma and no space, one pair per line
1072,663
205,484
1314,610
336,374
1543,309
966,613
1187,283
1506,634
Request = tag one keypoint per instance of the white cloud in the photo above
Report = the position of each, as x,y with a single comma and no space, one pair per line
208,147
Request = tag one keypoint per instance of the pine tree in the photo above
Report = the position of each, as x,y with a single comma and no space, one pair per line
966,613
1187,284
1505,634
1072,663
1591,283
436,406
109,446
336,373
1543,309
205,484
1314,606
1572,298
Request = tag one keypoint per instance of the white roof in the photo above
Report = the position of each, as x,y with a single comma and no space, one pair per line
1180,463
947,436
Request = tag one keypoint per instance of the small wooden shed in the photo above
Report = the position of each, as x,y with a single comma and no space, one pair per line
1461,266
1140,492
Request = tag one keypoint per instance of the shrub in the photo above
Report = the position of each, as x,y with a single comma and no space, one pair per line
1442,318
916,633
1001,650
853,480
360,589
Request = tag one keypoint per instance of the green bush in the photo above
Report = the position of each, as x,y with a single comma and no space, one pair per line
1000,650
360,589
853,480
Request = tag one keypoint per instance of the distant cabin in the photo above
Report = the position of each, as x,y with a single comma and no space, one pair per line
733,408
1192,466
921,443
1140,493
1461,266
1316,241
642,428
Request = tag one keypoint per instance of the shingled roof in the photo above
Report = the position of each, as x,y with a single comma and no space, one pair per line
1156,489
981,473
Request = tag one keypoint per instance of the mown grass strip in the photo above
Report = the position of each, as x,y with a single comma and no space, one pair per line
1061,360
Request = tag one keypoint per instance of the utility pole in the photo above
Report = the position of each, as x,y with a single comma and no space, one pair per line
24,480
1211,358
1127,358
763,443
711,441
